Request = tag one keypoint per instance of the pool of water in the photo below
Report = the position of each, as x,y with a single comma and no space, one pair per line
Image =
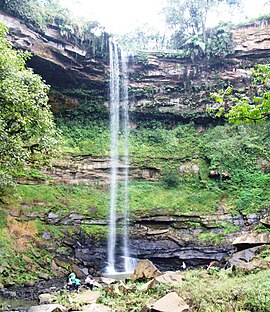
118,276
13,304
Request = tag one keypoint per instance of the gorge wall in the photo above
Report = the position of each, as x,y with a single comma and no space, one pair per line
164,88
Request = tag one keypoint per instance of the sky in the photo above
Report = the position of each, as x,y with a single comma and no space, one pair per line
121,16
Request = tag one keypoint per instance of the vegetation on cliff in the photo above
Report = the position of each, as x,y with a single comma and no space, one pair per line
232,166
249,108
27,130
41,14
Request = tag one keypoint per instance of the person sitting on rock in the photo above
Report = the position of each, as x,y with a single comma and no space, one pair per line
77,283
89,282
71,283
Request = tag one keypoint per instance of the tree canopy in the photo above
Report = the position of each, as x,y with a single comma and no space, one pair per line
188,18
144,37
27,130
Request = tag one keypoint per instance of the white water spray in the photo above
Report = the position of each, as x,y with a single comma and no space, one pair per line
118,90
125,120
114,131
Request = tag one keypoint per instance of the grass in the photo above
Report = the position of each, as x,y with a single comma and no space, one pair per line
93,203
155,196
64,199
204,291
223,292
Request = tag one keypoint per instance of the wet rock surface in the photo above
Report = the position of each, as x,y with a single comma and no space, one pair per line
32,292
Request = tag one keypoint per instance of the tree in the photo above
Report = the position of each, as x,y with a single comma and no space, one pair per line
38,13
188,18
144,37
250,108
27,131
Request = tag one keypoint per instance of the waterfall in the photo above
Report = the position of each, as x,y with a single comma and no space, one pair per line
114,132
118,116
125,121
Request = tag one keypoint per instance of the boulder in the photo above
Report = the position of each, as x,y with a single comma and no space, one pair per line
96,308
189,168
86,297
248,260
170,278
252,239
45,298
151,284
148,306
248,267
170,303
266,221
244,255
107,280
48,308
77,270
119,289
216,174
44,276
145,270
264,165
30,283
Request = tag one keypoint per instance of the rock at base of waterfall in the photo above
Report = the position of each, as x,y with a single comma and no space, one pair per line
45,298
149,285
145,270
96,308
170,277
48,308
107,280
86,297
171,303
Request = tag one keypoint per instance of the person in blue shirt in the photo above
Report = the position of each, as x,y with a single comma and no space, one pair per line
73,283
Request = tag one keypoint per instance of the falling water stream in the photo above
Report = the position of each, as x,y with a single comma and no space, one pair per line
119,119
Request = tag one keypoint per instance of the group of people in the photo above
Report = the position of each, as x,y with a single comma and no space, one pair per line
73,283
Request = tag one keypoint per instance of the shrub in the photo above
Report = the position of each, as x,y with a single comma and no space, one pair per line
171,179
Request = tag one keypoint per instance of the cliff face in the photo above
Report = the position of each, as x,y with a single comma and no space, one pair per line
162,86
61,63
164,83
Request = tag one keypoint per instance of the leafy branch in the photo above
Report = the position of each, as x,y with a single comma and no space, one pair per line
250,108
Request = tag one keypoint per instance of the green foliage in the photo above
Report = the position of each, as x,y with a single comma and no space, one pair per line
219,42
97,231
232,150
256,21
27,130
251,108
188,20
7,185
184,199
217,238
39,13
144,37
222,292
90,139
171,179
65,199
42,13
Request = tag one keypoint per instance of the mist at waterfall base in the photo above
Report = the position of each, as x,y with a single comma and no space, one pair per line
119,260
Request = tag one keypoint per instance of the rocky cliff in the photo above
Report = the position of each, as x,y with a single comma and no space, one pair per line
160,83
164,87
61,63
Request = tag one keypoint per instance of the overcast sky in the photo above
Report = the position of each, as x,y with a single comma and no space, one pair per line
120,16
